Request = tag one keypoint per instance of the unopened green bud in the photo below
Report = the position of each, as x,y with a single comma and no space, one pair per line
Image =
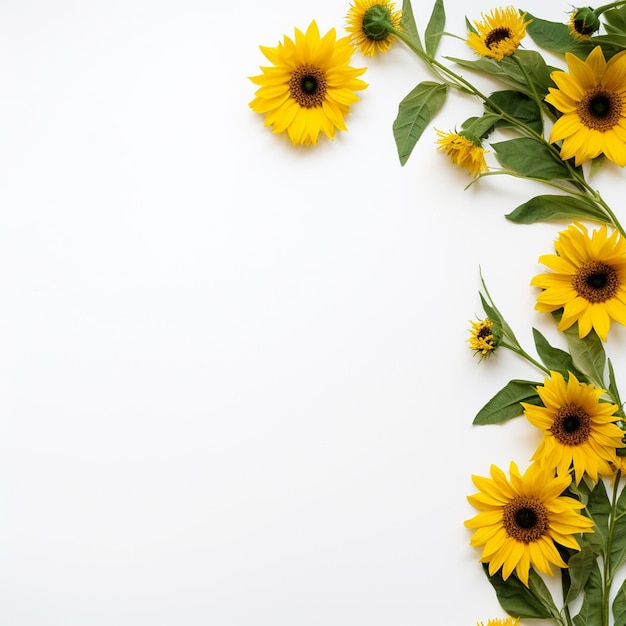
584,22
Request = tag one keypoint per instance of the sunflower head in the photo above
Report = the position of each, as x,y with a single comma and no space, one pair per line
464,150
499,34
580,431
522,517
591,97
583,22
485,337
588,280
371,24
310,86
508,621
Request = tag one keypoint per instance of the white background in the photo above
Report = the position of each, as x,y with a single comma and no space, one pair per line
235,385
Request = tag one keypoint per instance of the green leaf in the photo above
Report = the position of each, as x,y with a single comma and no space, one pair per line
481,127
619,606
587,354
508,72
591,609
434,29
615,20
506,403
530,158
579,568
618,545
407,22
532,602
552,207
555,36
599,508
519,106
614,391
415,113
553,358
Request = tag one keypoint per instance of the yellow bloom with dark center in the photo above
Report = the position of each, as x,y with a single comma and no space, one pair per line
592,99
509,621
583,23
522,519
580,432
588,280
309,88
482,338
368,25
499,34
463,152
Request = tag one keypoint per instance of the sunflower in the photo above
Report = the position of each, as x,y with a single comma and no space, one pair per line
309,87
484,337
368,24
583,23
592,100
463,152
588,281
499,34
580,432
522,519
509,621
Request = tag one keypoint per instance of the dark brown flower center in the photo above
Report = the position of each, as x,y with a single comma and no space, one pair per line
307,86
596,282
582,28
525,519
571,426
600,109
484,333
496,36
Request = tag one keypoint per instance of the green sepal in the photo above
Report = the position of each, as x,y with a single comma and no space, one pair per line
415,113
530,158
553,358
532,602
506,403
554,207
519,106
591,609
508,72
555,36
408,25
434,29
619,606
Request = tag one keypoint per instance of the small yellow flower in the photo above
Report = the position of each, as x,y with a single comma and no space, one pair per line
499,34
309,88
583,23
509,621
368,25
588,280
482,339
463,152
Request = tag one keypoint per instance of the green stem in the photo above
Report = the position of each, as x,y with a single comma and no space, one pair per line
605,7
607,577
521,352
454,80
531,86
